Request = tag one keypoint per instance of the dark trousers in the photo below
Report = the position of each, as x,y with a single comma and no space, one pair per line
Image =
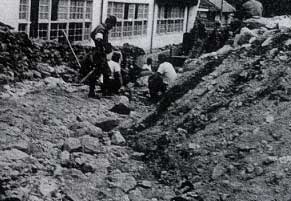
110,86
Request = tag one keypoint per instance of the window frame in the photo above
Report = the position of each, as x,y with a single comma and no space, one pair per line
170,20
63,10
128,13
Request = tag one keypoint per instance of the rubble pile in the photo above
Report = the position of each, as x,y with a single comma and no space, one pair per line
226,122
21,58
57,144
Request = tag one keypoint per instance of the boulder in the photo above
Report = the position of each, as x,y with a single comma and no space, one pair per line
135,195
122,180
117,138
86,128
218,171
122,106
108,125
72,144
21,145
65,157
13,154
52,82
47,186
91,145
88,163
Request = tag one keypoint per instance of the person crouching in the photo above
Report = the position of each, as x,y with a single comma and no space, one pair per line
112,83
164,77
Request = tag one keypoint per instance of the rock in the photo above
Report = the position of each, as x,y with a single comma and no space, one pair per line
270,118
108,125
86,128
52,82
72,144
122,106
21,145
121,109
28,75
146,184
4,79
224,50
137,156
13,154
47,186
218,171
91,145
88,163
122,180
288,43
36,74
244,37
65,157
34,198
193,146
45,69
135,195
117,138
267,42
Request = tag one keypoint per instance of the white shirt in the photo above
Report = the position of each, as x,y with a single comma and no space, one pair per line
114,67
168,72
147,67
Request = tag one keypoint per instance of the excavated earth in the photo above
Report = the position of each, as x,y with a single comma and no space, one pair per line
52,149
226,123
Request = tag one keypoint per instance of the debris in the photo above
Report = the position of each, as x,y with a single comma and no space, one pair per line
117,138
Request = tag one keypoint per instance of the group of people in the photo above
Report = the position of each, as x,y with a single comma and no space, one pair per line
103,67
200,41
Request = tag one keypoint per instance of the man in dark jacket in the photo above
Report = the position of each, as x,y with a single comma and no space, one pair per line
100,37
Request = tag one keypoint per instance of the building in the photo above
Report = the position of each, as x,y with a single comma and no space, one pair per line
145,23
215,10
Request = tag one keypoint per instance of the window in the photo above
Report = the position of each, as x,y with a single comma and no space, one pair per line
63,9
89,9
43,31
23,28
57,29
170,19
23,9
87,31
75,31
72,16
44,6
132,19
77,9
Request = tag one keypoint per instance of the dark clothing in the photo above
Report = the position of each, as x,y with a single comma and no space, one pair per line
215,41
111,86
100,29
100,37
194,39
156,86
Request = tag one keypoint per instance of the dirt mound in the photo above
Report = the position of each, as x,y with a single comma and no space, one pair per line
226,123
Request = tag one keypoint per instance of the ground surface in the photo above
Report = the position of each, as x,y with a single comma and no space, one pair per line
51,149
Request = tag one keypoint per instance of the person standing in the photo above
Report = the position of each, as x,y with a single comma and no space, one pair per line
102,47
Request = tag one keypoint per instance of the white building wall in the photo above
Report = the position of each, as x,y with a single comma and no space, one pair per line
96,13
9,12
